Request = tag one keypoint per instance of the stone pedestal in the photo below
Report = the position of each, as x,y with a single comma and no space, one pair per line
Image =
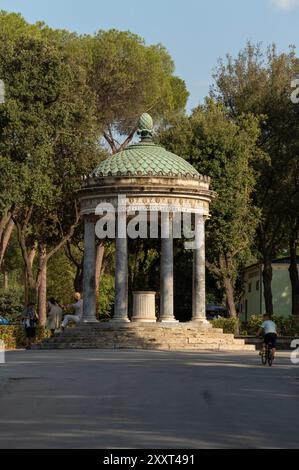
144,307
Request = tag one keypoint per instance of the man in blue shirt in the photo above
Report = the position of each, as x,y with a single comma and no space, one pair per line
269,330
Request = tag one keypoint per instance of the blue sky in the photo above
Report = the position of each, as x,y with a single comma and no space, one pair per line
196,32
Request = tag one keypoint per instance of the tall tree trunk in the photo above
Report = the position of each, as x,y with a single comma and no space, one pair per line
5,239
230,298
226,268
267,280
42,288
294,275
29,290
99,264
4,220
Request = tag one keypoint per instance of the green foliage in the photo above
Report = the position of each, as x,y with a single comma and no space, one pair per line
285,326
62,93
259,82
14,336
48,130
130,78
228,325
223,150
11,304
254,323
61,274
106,297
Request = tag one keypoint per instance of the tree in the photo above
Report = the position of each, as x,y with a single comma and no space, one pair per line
130,78
64,93
49,136
223,150
260,83
12,26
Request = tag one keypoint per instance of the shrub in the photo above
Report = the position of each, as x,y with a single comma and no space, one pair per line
11,304
14,336
228,325
253,324
107,296
286,326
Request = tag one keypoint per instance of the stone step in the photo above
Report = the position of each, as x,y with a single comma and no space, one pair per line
232,347
214,347
181,337
160,347
124,342
142,329
137,334
174,341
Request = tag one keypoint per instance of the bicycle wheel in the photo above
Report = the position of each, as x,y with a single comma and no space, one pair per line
264,357
270,356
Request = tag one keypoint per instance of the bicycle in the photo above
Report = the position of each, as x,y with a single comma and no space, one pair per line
267,355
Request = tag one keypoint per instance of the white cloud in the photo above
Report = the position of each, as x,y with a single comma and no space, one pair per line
286,4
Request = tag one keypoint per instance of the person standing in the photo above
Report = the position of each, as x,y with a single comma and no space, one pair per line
54,316
30,320
77,317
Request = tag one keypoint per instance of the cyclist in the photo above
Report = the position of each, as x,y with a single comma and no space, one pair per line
269,330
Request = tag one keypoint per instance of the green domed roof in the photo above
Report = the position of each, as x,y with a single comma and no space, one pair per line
145,159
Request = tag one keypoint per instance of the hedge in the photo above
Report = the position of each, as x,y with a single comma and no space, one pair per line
14,336
286,326
228,325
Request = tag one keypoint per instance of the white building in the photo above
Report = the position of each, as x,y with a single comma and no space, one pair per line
253,302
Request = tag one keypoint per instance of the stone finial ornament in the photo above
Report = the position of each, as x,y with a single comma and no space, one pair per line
146,127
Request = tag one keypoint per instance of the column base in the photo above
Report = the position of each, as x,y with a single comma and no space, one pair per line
120,320
168,320
202,322
90,320
142,321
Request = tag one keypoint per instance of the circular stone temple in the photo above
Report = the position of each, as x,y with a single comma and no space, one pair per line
145,178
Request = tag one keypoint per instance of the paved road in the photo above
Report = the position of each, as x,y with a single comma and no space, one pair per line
128,399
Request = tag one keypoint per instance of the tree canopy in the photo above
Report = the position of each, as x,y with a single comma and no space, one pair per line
259,82
223,150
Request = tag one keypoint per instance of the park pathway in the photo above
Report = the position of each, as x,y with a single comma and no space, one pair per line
147,399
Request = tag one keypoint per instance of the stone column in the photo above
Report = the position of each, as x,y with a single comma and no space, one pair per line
89,284
121,271
167,271
199,273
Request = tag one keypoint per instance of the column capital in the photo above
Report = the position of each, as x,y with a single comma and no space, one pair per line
90,218
201,217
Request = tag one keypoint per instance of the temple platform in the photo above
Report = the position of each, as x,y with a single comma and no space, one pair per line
160,337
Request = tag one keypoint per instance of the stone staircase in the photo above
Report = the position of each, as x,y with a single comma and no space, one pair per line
181,337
